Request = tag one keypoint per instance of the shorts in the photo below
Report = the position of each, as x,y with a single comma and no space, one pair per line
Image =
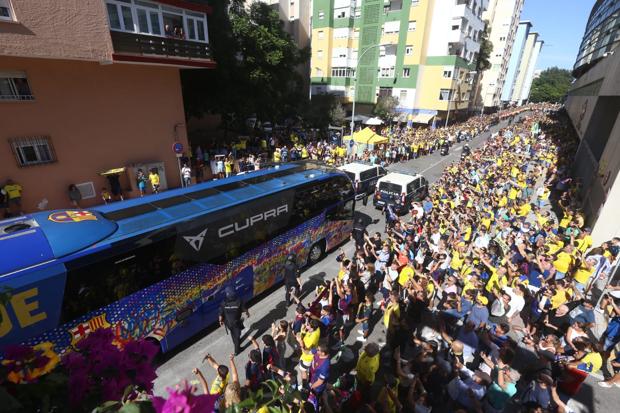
141,185
16,201
304,366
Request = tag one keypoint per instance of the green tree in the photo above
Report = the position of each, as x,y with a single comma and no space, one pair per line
255,72
486,48
337,114
385,108
551,86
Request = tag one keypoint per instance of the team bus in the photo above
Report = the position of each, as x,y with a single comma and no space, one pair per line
157,267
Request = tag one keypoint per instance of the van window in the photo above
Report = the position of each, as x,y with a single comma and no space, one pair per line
416,183
351,176
390,188
382,171
410,188
369,174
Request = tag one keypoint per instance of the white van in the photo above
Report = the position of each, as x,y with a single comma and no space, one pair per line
364,176
400,190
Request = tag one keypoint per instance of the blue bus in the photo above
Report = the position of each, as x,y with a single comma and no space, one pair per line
156,267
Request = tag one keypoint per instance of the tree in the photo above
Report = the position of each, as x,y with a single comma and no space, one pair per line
385,108
255,72
337,114
551,86
486,48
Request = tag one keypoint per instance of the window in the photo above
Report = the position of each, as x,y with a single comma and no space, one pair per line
415,3
412,25
356,33
408,50
456,26
368,174
445,94
402,97
321,34
357,12
343,72
6,13
341,14
501,39
137,16
319,54
96,285
14,86
33,151
321,14
447,74
406,72
87,189
386,72
391,27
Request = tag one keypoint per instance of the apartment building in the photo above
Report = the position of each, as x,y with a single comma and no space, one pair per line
422,52
521,66
503,18
90,92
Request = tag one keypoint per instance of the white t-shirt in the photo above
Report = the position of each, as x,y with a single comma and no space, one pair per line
517,302
390,276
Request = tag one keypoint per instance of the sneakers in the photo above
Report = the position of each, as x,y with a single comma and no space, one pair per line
360,331
605,384
361,338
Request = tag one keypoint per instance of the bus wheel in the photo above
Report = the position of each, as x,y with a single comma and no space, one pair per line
316,252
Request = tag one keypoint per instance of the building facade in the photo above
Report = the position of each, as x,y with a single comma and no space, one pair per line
419,51
503,17
593,105
602,35
99,94
518,47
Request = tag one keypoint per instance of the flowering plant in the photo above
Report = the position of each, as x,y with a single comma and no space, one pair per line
183,400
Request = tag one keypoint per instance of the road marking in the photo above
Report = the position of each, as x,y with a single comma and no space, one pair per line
458,147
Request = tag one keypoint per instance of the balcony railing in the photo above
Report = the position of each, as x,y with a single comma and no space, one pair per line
142,44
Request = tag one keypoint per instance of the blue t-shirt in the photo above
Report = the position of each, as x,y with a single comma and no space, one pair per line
478,315
319,370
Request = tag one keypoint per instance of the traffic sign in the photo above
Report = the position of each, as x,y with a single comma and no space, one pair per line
177,147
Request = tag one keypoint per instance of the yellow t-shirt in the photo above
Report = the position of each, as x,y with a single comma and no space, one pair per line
13,190
218,385
495,282
555,246
524,209
559,298
392,310
311,340
457,261
367,367
405,275
583,274
154,178
593,362
563,261
584,243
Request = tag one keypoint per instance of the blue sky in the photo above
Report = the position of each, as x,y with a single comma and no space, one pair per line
560,24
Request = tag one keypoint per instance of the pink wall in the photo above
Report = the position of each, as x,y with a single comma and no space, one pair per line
98,117
57,29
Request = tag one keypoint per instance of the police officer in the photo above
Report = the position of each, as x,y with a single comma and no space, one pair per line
292,278
358,233
230,316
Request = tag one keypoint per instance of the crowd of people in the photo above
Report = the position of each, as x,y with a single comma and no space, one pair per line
480,299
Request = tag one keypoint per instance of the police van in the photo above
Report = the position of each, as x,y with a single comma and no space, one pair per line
363,176
400,190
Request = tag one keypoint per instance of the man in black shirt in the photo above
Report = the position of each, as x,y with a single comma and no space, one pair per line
230,316
357,234
292,278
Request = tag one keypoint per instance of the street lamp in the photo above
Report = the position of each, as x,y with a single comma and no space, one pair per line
355,85
458,83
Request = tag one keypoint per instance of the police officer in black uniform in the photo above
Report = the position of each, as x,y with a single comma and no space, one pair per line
358,233
230,316
292,278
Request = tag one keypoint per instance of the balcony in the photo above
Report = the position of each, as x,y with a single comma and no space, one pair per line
156,49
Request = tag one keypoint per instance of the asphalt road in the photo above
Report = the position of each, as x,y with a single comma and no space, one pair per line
178,365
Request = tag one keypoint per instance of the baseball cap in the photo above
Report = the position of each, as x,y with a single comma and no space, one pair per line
482,300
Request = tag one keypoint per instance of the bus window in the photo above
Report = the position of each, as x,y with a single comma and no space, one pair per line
100,283
343,211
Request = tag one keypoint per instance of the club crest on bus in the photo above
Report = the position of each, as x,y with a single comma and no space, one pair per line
72,216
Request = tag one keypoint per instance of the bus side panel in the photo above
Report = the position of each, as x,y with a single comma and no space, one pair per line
34,304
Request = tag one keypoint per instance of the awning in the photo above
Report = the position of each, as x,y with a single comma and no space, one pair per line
367,136
114,171
422,118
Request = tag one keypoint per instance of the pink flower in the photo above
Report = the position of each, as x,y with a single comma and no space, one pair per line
182,400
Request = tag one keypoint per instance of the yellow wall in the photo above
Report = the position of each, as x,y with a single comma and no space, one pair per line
323,44
422,16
